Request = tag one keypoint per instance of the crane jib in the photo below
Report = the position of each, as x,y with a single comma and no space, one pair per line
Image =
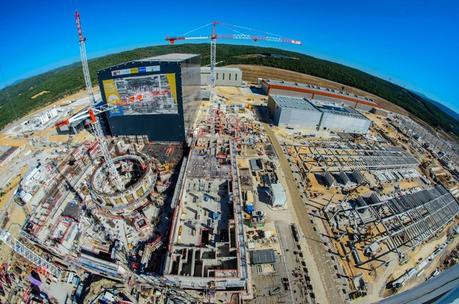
213,44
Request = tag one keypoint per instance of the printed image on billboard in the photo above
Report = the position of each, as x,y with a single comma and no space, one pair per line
152,94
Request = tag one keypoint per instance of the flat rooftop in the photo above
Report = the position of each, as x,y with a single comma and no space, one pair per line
338,110
264,256
207,69
327,91
174,57
302,103
291,102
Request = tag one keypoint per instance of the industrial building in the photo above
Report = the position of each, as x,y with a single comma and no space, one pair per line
224,76
299,112
345,180
404,221
156,96
279,198
447,152
310,91
293,112
339,156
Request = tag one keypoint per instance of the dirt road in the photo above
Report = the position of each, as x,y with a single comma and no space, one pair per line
319,254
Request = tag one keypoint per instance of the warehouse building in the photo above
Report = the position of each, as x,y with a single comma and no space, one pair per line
299,112
293,112
310,91
224,76
157,96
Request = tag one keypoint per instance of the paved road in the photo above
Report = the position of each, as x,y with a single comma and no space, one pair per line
320,255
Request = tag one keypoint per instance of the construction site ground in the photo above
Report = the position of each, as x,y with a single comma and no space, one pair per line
253,72
376,275
279,220
316,236
317,255
318,251
12,172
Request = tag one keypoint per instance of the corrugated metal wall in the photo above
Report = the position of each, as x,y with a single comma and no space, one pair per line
345,124
300,118
293,117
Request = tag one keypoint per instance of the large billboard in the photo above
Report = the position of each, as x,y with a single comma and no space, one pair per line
137,95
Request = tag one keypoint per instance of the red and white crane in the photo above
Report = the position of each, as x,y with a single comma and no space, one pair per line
98,133
84,114
213,37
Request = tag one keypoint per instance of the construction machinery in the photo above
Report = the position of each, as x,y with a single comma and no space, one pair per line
213,43
20,248
84,114
42,264
95,124
29,254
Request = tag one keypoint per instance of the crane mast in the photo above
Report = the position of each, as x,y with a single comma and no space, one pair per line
213,61
97,129
84,60
213,46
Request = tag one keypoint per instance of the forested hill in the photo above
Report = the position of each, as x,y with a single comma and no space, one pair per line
16,100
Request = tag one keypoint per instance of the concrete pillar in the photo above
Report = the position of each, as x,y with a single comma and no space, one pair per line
192,261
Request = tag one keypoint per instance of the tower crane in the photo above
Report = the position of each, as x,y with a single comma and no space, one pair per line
23,250
213,37
5,236
95,124
90,113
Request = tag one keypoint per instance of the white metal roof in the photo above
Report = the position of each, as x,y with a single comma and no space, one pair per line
220,69
339,110
169,57
279,193
292,102
317,88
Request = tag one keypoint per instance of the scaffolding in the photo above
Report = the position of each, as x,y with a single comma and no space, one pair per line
413,130
336,157
401,222
28,254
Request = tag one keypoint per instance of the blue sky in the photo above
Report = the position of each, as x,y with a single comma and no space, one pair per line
411,43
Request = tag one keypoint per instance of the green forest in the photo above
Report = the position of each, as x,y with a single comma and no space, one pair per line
16,100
